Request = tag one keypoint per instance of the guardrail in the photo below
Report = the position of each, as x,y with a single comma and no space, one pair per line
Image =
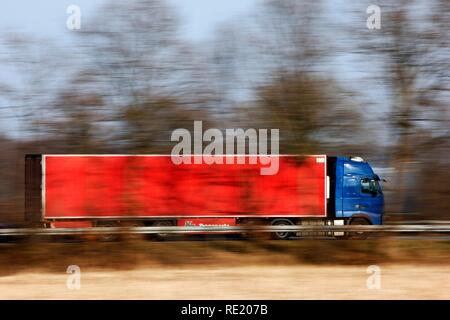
228,229
418,222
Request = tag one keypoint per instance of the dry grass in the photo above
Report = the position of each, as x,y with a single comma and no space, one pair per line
246,282
54,257
313,269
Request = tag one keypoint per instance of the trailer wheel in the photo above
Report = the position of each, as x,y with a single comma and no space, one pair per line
133,236
108,237
282,235
357,235
162,223
253,235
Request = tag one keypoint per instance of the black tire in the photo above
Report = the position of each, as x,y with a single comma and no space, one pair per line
162,223
133,236
253,235
108,237
282,235
358,235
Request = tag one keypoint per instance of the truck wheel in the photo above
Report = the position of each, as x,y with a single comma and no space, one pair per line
133,236
282,235
252,235
357,235
108,237
162,223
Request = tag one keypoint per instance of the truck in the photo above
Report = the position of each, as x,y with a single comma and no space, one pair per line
107,190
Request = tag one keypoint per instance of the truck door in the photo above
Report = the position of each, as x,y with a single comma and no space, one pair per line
350,195
371,199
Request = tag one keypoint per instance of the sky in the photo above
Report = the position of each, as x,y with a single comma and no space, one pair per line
201,17
46,19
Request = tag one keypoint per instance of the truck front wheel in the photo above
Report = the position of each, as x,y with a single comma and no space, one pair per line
357,235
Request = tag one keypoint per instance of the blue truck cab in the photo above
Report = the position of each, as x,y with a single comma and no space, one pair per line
355,194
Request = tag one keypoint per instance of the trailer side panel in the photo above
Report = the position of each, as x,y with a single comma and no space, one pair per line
113,186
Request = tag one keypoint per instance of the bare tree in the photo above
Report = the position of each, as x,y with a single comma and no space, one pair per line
143,68
294,93
310,111
36,67
413,46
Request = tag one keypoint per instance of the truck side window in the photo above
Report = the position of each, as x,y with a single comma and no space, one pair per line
369,186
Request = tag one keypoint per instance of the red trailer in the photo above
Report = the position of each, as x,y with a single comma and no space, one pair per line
99,190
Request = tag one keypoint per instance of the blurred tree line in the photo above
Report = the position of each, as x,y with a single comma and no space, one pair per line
131,79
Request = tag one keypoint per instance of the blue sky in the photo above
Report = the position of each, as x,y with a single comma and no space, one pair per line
201,17
47,18
199,20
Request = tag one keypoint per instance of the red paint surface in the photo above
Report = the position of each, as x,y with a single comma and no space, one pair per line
72,224
148,186
223,222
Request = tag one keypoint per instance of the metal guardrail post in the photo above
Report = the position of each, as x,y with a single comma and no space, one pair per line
441,228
